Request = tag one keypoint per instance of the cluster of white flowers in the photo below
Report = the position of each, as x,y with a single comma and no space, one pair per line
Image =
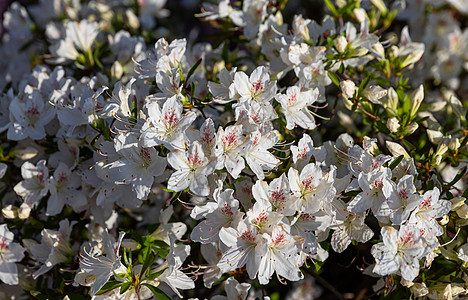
112,135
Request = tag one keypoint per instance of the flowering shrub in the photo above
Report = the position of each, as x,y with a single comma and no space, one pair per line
146,154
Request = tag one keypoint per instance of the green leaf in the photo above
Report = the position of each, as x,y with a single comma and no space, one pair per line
155,275
342,69
134,107
161,244
334,78
193,69
331,7
157,292
408,145
143,254
459,175
124,287
364,83
39,295
181,72
149,259
109,286
396,162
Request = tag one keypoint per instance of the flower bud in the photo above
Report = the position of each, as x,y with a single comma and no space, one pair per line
393,52
457,202
360,14
341,44
436,106
130,244
116,70
444,220
410,128
416,99
396,149
348,88
462,212
374,93
419,289
360,51
454,144
435,136
412,58
393,125
438,159
457,107
24,211
379,49
380,5
392,100
10,212
132,19
442,148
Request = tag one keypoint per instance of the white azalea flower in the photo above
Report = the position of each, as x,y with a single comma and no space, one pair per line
399,251
191,170
10,253
138,165
258,157
29,113
294,105
245,246
280,256
53,249
63,187
166,126
230,146
35,184
100,266
216,215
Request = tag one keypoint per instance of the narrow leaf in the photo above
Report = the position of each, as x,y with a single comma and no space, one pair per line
157,292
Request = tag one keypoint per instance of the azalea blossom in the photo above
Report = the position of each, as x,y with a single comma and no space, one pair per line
399,251
192,169
10,253
100,266
167,125
280,256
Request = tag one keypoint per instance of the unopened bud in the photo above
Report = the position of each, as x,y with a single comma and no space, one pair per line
393,125
454,144
393,52
348,88
412,58
416,99
457,107
410,128
341,44
379,49
434,136
457,202
380,5
10,212
24,211
442,148
419,289
397,149
130,244
392,100
444,220
358,52
116,70
360,14
132,19
373,93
